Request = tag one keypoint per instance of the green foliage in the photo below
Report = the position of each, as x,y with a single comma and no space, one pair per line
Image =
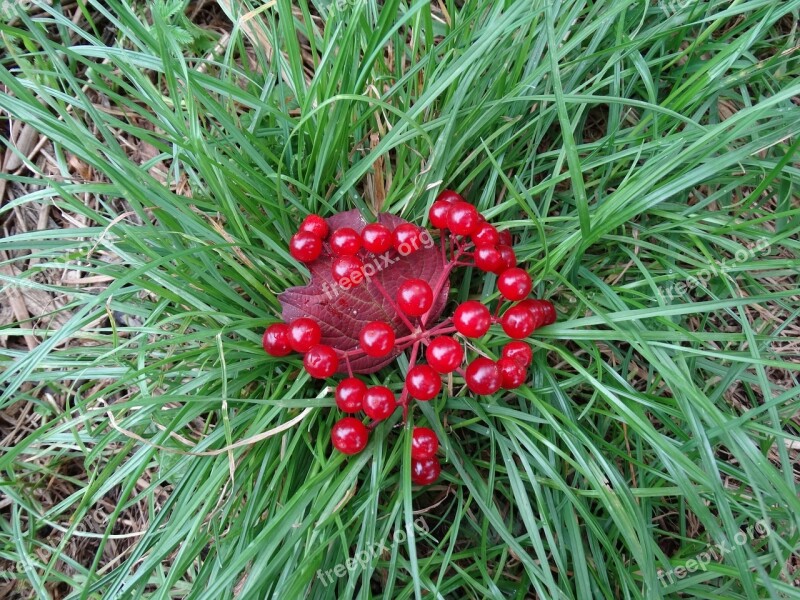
659,422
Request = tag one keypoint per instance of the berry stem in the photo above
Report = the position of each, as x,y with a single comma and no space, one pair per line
405,341
412,361
403,401
392,303
436,289
423,335
437,331
349,366
353,352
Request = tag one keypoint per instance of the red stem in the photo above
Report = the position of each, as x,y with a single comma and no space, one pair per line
349,367
412,361
497,311
396,308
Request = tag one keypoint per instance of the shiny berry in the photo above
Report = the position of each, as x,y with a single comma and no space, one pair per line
517,322
423,383
485,235
376,339
547,310
379,402
514,284
305,247
508,256
449,196
350,395
519,352
438,214
472,319
489,259
349,435
444,354
303,334
424,443
405,239
512,373
425,472
276,340
321,361
462,218
414,297
483,376
505,237
543,311
345,242
376,238
349,269
316,225
536,309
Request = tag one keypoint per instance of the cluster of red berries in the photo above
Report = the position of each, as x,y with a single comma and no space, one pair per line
345,244
467,235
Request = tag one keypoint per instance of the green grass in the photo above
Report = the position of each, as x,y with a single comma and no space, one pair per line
656,424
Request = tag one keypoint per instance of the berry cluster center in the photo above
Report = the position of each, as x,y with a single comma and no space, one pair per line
379,290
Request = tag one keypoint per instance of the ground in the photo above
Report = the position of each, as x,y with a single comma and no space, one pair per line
159,155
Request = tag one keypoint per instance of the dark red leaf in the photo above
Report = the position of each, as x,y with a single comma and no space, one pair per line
342,313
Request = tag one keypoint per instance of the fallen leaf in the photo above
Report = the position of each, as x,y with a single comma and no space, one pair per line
342,313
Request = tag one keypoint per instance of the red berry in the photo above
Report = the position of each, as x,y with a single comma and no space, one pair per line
423,383
276,340
514,284
305,247
438,214
518,351
472,319
379,402
518,322
376,339
485,235
376,238
489,259
316,225
505,238
483,376
449,196
347,269
543,311
321,361
508,255
405,239
534,307
350,394
345,242
547,310
349,435
444,354
462,218
512,373
304,334
424,443
425,472
414,297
